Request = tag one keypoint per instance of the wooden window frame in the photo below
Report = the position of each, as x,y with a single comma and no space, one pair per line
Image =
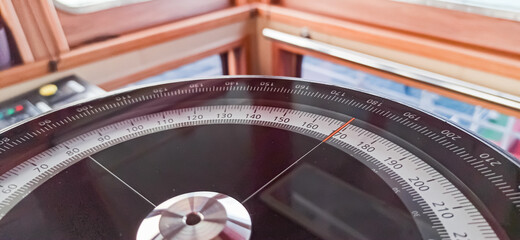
82,29
436,46
287,62
36,28
236,60
127,43
234,57
455,27
474,54
8,14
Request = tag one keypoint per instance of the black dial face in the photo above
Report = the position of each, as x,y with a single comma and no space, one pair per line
252,158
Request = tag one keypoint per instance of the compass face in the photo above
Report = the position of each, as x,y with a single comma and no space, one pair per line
252,158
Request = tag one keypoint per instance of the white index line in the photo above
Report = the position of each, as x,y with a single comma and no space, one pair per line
282,172
121,180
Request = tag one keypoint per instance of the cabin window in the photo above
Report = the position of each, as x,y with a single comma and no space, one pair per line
418,24
499,128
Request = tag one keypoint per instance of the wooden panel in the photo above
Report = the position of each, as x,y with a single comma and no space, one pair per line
286,63
284,48
232,63
237,59
466,28
31,31
21,73
463,55
130,42
49,18
84,28
41,27
148,37
244,2
239,2
8,13
117,83
242,57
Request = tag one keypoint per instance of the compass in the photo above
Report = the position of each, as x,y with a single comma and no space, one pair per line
252,157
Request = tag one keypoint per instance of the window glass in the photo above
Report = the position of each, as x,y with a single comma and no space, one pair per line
498,128
206,67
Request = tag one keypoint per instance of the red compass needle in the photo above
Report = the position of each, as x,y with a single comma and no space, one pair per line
337,130
299,159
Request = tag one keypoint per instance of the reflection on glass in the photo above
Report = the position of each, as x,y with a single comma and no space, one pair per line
496,127
334,209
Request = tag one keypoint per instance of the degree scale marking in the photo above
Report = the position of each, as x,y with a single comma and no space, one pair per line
241,87
227,88
180,118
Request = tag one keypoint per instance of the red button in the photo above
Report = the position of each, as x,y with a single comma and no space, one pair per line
19,108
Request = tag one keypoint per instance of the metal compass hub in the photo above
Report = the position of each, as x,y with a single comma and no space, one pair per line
197,215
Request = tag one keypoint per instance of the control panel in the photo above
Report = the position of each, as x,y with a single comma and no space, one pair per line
45,98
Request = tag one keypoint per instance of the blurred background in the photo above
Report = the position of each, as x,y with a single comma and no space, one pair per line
458,59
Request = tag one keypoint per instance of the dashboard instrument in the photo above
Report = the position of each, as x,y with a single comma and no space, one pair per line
252,157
